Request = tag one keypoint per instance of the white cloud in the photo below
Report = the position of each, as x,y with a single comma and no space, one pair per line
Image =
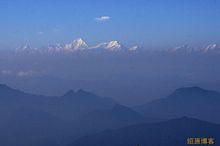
6,72
103,18
25,73
20,73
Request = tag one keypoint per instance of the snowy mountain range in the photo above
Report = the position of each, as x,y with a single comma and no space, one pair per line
211,48
112,46
77,45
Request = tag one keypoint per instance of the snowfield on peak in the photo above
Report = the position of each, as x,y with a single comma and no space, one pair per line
114,46
111,46
211,48
78,44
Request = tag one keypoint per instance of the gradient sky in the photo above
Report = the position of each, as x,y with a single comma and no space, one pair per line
158,23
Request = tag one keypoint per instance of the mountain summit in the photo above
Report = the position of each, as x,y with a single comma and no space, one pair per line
212,48
26,48
189,101
114,46
110,46
78,44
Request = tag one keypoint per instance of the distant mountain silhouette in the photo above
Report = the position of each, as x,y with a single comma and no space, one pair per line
193,101
169,133
7,93
84,97
77,103
69,106
28,119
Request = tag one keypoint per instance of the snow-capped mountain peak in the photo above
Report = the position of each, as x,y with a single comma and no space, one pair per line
54,48
100,46
24,47
114,46
78,44
183,49
134,48
211,47
110,46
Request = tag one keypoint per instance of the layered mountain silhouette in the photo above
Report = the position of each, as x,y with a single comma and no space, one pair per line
193,101
170,133
28,119
78,102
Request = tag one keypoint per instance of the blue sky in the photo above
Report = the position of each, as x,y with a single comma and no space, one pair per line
149,23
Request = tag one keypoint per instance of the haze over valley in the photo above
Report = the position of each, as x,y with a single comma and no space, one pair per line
130,76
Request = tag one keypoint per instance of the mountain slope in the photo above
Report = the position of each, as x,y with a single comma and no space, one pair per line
193,102
78,44
69,106
28,119
170,133
118,116
74,104
110,46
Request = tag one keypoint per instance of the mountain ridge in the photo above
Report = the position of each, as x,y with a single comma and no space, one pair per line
173,132
188,101
77,45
